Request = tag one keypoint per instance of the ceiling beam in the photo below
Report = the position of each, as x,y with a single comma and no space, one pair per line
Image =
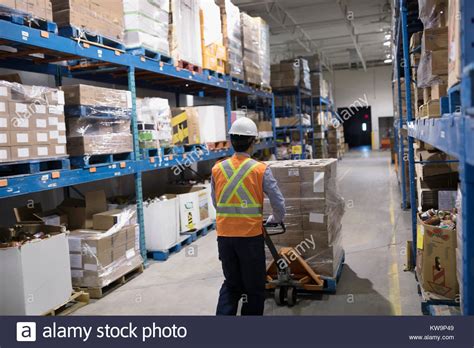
350,26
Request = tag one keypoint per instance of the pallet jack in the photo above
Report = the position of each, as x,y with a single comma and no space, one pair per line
288,272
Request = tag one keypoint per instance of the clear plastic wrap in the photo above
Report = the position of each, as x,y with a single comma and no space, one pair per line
314,210
100,257
104,18
185,32
251,48
146,24
232,32
31,122
264,51
98,120
433,13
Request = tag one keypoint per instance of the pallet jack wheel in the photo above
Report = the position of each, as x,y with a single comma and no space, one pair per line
291,296
280,295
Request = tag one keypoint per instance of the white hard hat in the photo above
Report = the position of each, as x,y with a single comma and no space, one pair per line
244,126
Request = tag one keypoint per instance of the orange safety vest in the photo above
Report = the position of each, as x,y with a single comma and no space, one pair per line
238,186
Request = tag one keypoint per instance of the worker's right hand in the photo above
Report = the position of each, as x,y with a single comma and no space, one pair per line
271,220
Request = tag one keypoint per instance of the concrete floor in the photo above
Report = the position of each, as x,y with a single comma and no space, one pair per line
373,282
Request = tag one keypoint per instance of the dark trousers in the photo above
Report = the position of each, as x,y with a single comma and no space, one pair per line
243,263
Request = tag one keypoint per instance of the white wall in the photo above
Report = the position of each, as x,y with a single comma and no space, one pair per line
375,84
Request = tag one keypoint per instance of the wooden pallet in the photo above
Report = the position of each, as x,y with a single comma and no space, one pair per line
212,73
163,255
77,300
101,160
182,64
99,292
201,232
432,109
147,54
88,38
34,166
26,19
218,145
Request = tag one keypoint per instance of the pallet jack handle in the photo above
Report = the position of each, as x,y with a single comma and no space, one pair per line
269,242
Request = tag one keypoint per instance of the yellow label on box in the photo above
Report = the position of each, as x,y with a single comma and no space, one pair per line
420,233
296,150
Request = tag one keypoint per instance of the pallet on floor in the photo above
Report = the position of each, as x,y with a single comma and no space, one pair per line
330,283
99,292
145,53
77,300
201,232
182,64
26,19
34,166
163,255
87,161
88,38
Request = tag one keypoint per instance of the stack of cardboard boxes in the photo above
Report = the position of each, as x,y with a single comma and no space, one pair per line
103,244
232,32
98,120
291,73
31,122
214,54
336,142
103,17
320,142
433,178
146,24
38,8
432,73
314,212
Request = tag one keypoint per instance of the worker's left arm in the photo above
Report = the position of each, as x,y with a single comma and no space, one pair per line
277,201
213,192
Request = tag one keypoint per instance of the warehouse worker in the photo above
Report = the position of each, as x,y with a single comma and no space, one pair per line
238,185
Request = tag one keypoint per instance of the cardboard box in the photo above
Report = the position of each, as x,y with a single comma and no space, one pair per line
212,123
4,108
90,249
39,151
436,260
162,223
454,45
108,219
58,150
80,212
92,95
22,138
21,153
5,154
193,206
435,39
185,123
99,144
38,270
37,8
4,139
35,215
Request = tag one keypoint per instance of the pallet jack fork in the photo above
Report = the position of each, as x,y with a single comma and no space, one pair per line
288,272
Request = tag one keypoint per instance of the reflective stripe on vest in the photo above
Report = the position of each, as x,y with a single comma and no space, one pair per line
235,186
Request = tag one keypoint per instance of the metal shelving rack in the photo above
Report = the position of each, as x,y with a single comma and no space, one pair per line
453,134
299,95
112,66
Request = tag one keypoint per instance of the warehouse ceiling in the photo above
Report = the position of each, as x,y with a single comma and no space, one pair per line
349,33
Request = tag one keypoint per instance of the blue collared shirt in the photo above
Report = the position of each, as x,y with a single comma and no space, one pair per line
270,188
